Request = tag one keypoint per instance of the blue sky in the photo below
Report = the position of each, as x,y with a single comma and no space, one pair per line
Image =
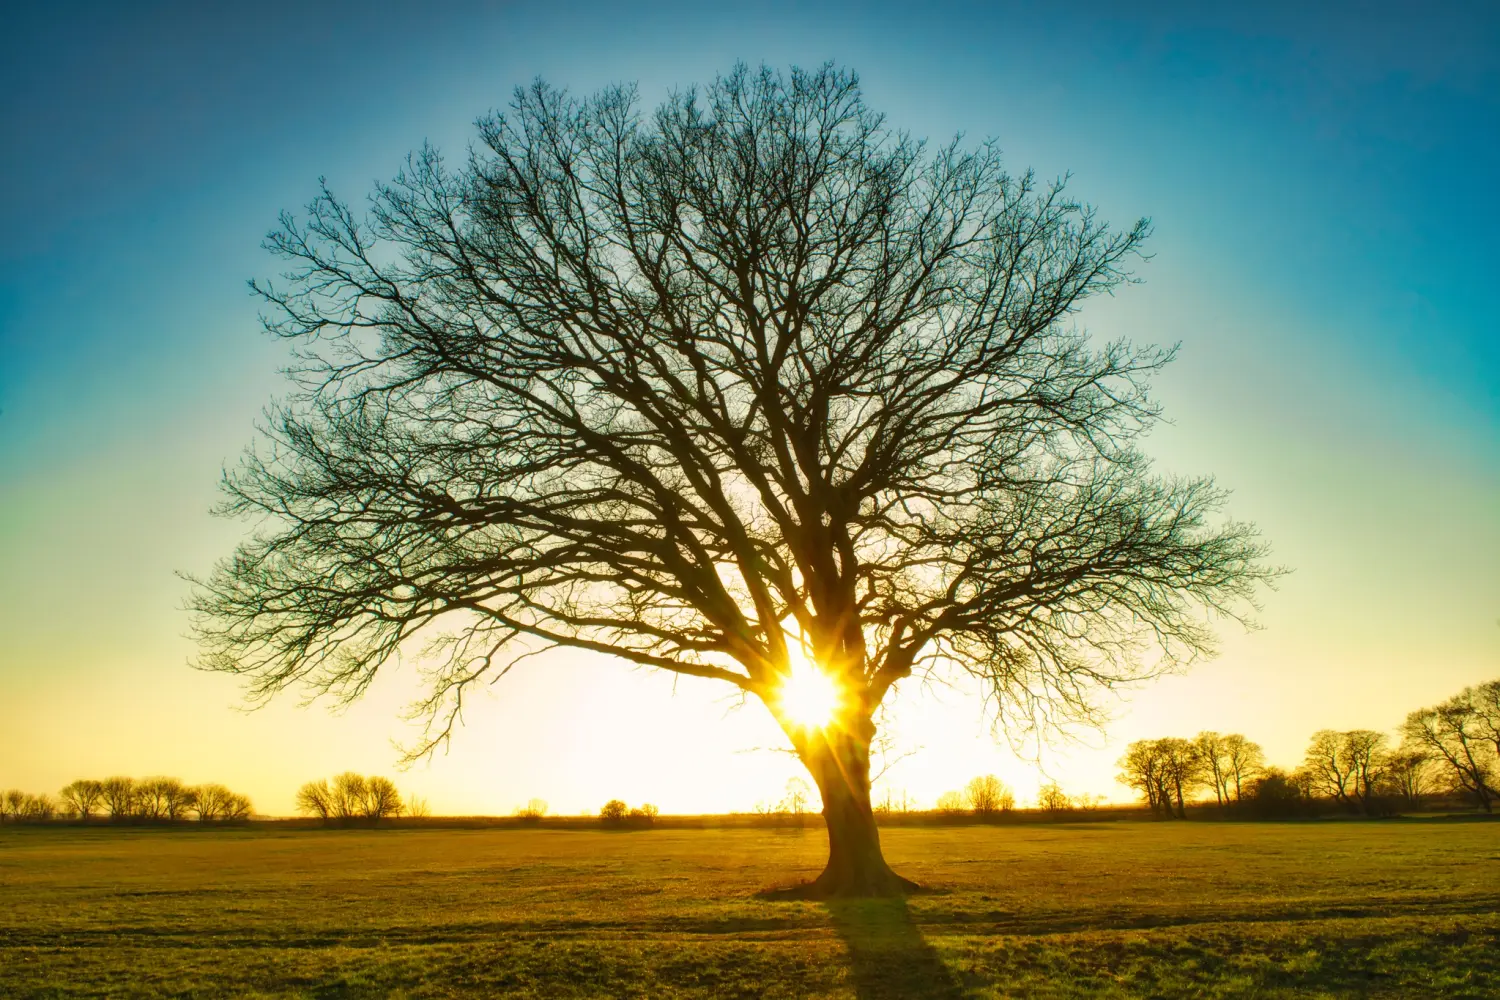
1323,189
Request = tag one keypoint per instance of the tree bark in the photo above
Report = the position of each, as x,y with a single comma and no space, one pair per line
839,760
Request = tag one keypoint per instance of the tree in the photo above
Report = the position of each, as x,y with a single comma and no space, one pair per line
1167,769
119,797
795,799
1213,751
614,812
215,803
1274,794
1051,798
1183,769
1409,771
1328,767
82,797
1245,759
381,799
36,809
1366,752
987,795
1141,769
11,803
347,796
316,799
755,389
1485,699
533,810
1455,734
237,808
894,802
951,803
417,807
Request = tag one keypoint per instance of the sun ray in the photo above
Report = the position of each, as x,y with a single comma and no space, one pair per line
809,698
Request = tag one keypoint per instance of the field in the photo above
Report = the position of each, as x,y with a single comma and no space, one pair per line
1127,909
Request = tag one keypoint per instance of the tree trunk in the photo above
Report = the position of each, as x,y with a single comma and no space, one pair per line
839,761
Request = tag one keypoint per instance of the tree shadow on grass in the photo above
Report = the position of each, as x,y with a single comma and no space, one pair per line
888,957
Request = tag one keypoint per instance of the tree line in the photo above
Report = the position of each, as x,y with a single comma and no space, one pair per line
128,800
350,797
1451,749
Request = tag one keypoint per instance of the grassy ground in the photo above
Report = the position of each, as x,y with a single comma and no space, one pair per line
1394,909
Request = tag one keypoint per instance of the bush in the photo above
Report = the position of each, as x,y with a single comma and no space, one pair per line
1275,795
532,812
614,813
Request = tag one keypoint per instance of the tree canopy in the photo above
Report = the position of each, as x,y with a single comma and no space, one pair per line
750,380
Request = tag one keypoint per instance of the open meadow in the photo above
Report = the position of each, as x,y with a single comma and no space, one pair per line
1124,909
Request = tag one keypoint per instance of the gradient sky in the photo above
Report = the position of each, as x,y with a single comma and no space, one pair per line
1325,199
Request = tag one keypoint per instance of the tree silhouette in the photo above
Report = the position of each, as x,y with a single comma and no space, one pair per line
988,795
1346,766
1463,737
749,385
82,797
1051,798
1245,759
119,797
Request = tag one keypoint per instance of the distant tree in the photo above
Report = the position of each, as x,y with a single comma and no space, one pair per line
795,800
1088,801
1329,767
1409,772
987,796
316,799
951,803
381,800
151,798
1456,734
215,803
1051,798
416,807
1215,758
171,800
707,388
533,810
82,797
1142,769
614,812
643,815
348,796
11,803
37,809
1367,754
119,797
1182,770
237,809
1245,759
893,802
1273,794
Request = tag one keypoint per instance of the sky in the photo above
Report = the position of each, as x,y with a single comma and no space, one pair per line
1323,193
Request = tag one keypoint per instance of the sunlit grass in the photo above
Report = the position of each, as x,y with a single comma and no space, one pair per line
1202,910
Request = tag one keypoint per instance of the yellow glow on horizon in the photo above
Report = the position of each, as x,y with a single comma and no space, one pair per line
809,697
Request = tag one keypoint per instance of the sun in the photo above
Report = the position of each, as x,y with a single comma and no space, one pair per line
809,698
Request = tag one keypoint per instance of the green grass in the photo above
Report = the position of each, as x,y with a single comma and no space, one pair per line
1394,909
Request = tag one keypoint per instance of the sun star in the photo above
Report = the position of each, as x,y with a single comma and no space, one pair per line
809,697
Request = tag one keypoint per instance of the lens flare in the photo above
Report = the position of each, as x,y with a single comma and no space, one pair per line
809,698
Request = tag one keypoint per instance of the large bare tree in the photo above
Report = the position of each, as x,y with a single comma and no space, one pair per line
745,384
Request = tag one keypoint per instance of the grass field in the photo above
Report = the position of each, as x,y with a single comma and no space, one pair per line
1392,909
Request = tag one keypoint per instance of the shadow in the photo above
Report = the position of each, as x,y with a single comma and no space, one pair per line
888,957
